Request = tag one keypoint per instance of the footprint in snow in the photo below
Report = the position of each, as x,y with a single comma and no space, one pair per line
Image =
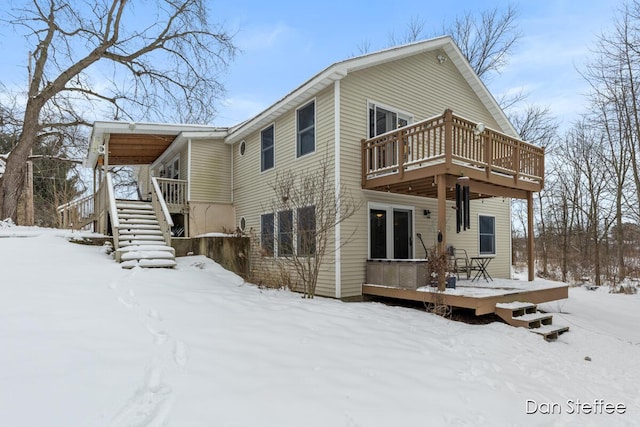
159,337
181,353
153,313
149,405
126,302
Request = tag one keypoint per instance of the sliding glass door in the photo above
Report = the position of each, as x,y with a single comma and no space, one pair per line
390,233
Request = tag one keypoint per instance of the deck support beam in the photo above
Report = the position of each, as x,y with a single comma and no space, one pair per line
442,226
530,241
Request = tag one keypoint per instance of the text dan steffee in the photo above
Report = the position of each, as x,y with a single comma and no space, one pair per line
575,406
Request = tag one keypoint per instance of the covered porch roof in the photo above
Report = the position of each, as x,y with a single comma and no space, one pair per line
124,144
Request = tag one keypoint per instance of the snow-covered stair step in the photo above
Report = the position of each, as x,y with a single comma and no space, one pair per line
136,216
145,206
532,320
515,309
136,221
135,231
163,252
128,226
149,263
144,254
136,212
550,332
124,243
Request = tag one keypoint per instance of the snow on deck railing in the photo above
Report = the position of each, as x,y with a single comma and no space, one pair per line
446,139
113,210
162,211
77,213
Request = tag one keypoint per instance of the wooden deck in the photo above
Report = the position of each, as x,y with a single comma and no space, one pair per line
479,296
408,159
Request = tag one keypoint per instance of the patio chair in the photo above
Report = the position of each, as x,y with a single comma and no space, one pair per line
460,262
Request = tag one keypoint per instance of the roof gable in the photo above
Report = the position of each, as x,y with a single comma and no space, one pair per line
340,69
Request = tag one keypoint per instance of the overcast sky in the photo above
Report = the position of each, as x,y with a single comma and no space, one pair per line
285,43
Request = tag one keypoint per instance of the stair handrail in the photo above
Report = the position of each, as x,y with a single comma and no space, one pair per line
162,211
77,213
113,209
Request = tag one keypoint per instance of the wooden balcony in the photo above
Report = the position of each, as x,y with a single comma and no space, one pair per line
408,159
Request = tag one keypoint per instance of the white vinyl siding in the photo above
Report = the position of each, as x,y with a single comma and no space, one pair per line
210,171
427,89
252,193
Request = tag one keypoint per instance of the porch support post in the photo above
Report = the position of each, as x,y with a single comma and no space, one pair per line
442,227
530,242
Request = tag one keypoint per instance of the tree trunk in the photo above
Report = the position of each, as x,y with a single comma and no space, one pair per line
12,181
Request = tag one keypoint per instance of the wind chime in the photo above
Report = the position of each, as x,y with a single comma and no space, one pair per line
463,213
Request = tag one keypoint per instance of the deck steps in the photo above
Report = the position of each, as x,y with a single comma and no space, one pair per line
140,239
526,315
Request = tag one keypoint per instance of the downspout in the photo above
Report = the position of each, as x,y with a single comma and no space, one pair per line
232,169
510,240
188,232
188,170
337,182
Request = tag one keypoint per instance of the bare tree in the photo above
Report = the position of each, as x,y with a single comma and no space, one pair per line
307,209
414,31
143,69
535,124
486,40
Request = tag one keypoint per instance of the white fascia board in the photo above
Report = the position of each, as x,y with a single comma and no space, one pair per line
290,101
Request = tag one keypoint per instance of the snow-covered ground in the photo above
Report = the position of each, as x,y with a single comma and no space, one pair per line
84,342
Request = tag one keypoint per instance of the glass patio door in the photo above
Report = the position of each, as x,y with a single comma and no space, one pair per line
390,233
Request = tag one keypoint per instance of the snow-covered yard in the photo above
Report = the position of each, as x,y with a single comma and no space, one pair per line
84,342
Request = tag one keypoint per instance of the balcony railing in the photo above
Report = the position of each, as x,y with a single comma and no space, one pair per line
451,140
174,191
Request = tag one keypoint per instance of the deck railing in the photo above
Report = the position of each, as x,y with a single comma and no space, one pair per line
77,213
451,139
161,209
174,191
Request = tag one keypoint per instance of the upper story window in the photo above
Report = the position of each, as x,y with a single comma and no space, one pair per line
383,119
487,234
267,138
306,129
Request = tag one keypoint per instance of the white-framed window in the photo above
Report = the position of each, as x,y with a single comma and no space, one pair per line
306,230
391,231
267,144
306,129
486,235
383,118
285,233
173,168
266,234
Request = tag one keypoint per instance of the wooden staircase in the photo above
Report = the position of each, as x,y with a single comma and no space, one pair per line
140,239
526,315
